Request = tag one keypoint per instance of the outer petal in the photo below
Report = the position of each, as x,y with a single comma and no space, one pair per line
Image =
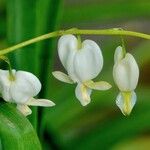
40,102
62,77
126,102
88,61
24,87
126,73
83,94
101,85
118,54
67,47
5,84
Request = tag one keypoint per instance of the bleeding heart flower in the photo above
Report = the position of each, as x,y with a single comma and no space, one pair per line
83,62
126,75
20,87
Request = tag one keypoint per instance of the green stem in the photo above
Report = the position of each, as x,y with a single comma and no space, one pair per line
79,42
115,31
123,46
5,59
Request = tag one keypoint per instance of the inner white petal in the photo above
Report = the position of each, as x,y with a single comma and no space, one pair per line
83,94
126,102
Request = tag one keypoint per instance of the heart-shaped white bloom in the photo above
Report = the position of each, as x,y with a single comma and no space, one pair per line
21,90
126,75
82,64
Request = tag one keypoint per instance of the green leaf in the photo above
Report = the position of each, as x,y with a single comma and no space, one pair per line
51,10
21,21
16,132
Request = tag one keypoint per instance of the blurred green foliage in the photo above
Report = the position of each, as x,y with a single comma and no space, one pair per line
100,125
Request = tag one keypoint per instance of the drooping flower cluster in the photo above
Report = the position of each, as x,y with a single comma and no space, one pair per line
20,87
83,62
126,74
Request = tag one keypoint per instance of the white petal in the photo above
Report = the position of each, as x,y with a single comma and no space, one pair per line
67,47
126,102
101,85
83,94
40,102
118,54
5,84
24,109
126,73
62,77
88,61
24,87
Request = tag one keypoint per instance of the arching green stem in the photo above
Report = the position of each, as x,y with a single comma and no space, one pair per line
5,59
114,31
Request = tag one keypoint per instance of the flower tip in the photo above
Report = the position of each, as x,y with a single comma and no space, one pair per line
51,104
53,73
119,54
46,103
109,86
126,112
85,103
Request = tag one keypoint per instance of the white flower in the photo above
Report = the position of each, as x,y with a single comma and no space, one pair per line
126,75
20,88
83,62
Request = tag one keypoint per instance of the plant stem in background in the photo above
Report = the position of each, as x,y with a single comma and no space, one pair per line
21,22
52,11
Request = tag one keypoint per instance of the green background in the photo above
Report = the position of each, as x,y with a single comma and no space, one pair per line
68,125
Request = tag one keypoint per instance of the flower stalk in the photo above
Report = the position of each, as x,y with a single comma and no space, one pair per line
113,31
